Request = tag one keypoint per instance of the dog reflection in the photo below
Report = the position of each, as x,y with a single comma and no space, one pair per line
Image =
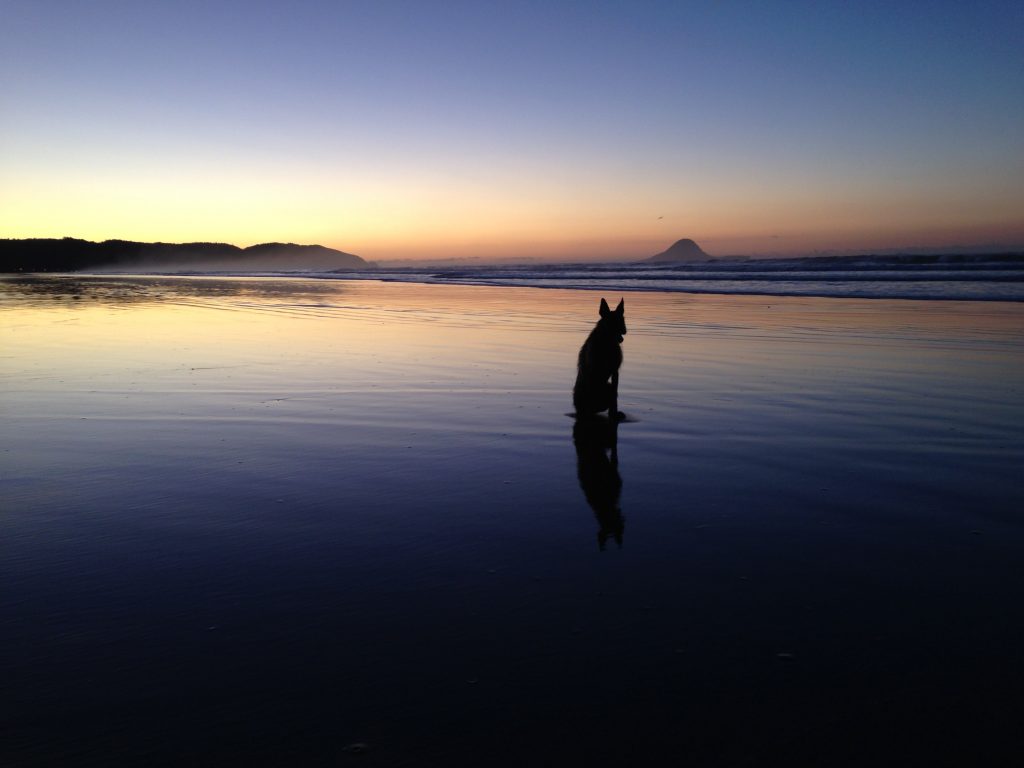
597,467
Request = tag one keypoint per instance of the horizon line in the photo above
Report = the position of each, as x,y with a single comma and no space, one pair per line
910,250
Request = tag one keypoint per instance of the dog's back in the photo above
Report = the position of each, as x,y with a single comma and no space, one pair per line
598,363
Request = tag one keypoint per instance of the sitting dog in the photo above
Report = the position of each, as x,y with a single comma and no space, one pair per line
597,371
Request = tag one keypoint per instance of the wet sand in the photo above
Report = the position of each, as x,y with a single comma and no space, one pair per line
259,521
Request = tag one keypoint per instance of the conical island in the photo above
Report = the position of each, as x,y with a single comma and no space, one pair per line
681,250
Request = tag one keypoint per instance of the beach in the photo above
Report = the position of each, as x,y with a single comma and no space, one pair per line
319,522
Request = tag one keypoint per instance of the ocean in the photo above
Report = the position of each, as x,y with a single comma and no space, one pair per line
988,277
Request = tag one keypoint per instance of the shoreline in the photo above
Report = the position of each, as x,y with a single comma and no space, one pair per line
869,284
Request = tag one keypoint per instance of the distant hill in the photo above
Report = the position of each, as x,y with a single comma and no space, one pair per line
681,250
70,255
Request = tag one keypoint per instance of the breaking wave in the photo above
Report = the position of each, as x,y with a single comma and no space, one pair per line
997,277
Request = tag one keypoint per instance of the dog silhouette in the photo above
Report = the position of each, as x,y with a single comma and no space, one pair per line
597,368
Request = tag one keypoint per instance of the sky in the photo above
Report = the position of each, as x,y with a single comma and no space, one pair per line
553,130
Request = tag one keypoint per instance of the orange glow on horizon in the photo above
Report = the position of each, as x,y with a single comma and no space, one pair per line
426,216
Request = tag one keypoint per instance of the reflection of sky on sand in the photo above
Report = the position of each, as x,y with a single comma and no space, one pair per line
291,372
258,376
372,494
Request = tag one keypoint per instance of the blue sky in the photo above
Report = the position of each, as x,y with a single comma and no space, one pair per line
545,129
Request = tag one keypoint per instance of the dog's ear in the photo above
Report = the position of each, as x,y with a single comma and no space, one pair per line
604,308
622,306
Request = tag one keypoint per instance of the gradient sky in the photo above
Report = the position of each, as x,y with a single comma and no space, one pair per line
548,129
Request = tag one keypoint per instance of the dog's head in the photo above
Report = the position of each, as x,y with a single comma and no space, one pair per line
613,321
